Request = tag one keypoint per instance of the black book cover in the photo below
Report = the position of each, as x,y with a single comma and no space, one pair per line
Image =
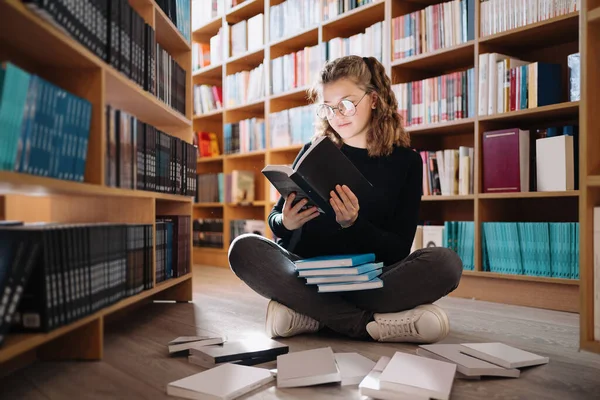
240,350
318,171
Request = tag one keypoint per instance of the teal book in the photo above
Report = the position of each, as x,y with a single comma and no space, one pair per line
367,276
334,261
375,283
359,269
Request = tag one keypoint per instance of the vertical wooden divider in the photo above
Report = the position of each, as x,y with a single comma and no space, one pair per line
267,72
83,343
477,213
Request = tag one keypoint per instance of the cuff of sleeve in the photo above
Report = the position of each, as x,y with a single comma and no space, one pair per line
282,231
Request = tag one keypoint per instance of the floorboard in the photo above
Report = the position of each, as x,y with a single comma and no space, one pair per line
136,363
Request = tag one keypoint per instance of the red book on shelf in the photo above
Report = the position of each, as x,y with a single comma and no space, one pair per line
506,161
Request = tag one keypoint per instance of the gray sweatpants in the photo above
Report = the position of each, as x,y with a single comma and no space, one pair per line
421,278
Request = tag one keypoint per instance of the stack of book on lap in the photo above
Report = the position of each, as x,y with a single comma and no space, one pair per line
341,273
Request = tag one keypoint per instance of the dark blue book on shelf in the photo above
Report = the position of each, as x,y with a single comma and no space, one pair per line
548,92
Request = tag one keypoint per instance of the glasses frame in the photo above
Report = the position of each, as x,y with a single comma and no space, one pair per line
338,108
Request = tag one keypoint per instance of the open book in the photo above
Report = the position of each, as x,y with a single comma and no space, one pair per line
318,171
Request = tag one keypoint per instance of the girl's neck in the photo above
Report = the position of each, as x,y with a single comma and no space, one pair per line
359,140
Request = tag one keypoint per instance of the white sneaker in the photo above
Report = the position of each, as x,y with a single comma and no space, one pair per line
423,324
285,322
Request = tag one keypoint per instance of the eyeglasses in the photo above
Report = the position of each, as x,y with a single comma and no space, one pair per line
345,107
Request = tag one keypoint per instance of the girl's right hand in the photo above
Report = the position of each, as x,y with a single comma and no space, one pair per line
292,218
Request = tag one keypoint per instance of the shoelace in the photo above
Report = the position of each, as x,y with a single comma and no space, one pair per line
303,322
402,327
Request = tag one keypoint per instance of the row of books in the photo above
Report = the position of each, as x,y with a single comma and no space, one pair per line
238,227
502,15
139,156
294,126
237,186
204,11
170,80
247,35
207,144
211,188
244,136
45,129
456,235
366,44
435,27
207,98
297,69
57,273
245,86
178,11
200,56
208,232
442,98
292,16
334,8
549,249
172,246
448,172
542,160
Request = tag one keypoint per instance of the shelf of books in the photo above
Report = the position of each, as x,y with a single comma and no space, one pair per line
491,102
589,199
97,169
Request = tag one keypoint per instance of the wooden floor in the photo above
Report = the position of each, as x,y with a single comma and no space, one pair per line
136,364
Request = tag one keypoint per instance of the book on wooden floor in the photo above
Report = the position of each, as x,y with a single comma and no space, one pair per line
184,343
413,375
353,367
466,365
370,386
374,283
307,368
364,277
225,382
313,178
503,355
252,351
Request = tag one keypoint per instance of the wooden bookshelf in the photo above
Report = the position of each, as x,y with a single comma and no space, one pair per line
535,42
589,171
39,47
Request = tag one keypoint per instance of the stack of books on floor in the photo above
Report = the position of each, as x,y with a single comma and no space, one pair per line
341,273
428,374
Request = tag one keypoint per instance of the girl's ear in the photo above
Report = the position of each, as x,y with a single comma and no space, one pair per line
374,99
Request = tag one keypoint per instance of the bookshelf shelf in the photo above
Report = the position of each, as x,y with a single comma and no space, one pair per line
442,59
20,343
294,95
215,115
295,149
211,72
207,205
554,112
307,37
257,106
594,15
245,10
211,159
553,31
362,16
210,29
528,195
245,61
558,281
168,35
463,197
250,154
443,128
593,180
257,203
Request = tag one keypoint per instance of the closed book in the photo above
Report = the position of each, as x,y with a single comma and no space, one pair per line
307,368
361,269
334,261
374,283
506,161
353,367
503,355
367,276
239,350
370,385
555,169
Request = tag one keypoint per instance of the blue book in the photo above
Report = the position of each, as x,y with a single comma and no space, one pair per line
367,276
335,261
360,269
375,283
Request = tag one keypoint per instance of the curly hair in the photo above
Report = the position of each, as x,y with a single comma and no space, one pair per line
368,73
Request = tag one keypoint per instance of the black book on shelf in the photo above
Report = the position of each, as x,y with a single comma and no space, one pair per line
316,174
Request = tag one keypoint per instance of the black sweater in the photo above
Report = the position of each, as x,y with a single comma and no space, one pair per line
386,221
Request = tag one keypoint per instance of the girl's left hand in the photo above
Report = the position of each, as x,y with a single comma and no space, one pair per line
345,205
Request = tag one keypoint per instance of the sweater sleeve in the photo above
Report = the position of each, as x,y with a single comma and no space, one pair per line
393,245
276,214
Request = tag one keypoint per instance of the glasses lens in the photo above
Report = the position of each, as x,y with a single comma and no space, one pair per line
347,108
324,112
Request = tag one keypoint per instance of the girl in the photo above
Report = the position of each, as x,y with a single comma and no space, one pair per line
357,109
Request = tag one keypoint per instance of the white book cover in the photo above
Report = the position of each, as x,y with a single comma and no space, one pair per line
465,364
596,246
503,355
433,236
353,367
307,368
554,163
370,386
483,84
418,376
225,382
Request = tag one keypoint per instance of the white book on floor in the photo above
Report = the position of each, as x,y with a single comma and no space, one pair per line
307,368
226,382
353,367
370,386
184,343
413,375
503,355
467,365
